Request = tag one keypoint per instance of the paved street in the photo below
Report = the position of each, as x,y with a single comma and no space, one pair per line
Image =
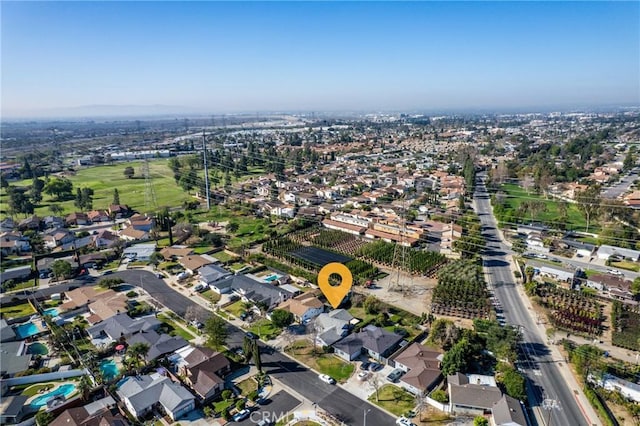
548,377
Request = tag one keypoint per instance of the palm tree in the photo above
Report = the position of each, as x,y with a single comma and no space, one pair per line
84,387
138,352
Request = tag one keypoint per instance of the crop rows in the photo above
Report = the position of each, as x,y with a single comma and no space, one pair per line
461,291
571,310
625,320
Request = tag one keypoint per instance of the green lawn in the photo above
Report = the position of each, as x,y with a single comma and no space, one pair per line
16,311
517,195
223,256
211,296
393,399
220,406
175,329
33,390
236,308
21,286
265,329
202,250
335,367
630,266
103,180
247,386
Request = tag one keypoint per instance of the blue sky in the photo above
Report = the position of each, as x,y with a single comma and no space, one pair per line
219,57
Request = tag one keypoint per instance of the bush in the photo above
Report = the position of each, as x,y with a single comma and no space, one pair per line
240,404
226,394
440,396
253,395
131,293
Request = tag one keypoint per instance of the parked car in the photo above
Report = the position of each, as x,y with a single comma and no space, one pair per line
251,335
365,365
363,375
327,379
200,287
403,421
395,375
241,415
375,366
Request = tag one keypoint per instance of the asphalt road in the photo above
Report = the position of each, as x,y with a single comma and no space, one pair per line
275,407
331,398
536,361
621,187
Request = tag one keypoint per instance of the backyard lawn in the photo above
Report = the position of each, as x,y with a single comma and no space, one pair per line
223,256
16,311
393,399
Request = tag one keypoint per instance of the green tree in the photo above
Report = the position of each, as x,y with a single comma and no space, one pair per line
61,268
480,421
232,227
138,351
116,197
635,286
281,318
43,418
129,172
588,202
372,305
55,209
514,383
440,396
110,282
519,245
629,161
217,332
60,188
84,387
457,358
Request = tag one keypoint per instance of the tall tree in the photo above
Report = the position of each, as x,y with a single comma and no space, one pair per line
58,187
116,197
217,332
129,172
589,201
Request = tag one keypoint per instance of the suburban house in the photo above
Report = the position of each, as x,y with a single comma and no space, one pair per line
141,394
140,223
557,273
18,273
376,342
13,408
250,290
611,286
132,234
159,344
105,239
120,326
77,218
304,307
6,332
118,211
175,252
472,394
204,370
605,252
101,304
58,237
13,243
31,222
12,361
97,413
211,273
140,252
98,216
333,326
422,366
508,411
192,263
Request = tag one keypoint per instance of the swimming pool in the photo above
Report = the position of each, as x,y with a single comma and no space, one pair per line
64,390
37,348
25,330
271,278
109,369
52,312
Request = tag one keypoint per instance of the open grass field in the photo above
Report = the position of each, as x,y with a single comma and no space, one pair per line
103,180
393,399
516,195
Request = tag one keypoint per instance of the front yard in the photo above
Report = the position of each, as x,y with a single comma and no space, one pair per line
328,364
265,329
393,399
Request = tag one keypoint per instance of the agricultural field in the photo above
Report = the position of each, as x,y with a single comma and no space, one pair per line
625,320
570,310
514,210
419,261
461,291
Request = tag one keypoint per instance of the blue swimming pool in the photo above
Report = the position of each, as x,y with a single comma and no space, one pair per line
109,369
52,312
271,278
64,390
25,330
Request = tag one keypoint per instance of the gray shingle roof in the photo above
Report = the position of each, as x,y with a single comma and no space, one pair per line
508,411
123,325
144,391
213,273
11,362
159,344
256,291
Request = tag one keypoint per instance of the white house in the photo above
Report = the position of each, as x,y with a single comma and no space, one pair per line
605,252
612,383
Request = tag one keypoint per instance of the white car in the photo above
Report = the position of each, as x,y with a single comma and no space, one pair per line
327,379
363,375
403,421
614,272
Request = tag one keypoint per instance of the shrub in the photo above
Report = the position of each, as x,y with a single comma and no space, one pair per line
440,396
226,394
131,293
240,404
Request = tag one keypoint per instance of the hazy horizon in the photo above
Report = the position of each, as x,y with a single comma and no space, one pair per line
71,59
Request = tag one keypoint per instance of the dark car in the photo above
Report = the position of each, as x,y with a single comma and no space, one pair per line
395,375
251,335
365,365
375,366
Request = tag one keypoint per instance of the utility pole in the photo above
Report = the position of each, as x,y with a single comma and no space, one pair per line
206,171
